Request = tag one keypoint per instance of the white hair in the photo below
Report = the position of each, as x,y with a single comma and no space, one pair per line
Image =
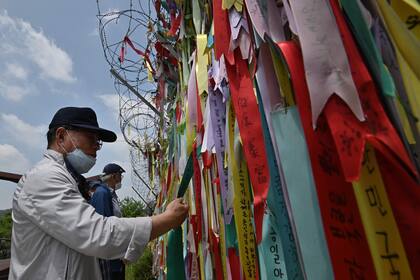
105,177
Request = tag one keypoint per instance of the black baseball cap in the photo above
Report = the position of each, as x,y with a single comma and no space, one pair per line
112,168
84,118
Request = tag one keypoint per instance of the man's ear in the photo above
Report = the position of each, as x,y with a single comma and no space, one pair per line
60,134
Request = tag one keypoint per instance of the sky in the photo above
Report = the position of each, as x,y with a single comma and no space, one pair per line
51,57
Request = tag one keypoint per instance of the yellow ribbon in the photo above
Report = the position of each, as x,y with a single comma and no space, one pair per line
409,13
201,66
238,4
243,216
407,49
405,41
222,236
382,233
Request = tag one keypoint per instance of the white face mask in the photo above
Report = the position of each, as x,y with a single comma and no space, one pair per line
118,186
80,161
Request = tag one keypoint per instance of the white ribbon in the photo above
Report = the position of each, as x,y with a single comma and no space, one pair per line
325,59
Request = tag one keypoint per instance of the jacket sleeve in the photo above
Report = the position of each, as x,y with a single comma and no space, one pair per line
102,202
50,199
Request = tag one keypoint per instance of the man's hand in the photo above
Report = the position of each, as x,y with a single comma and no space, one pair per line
178,211
174,216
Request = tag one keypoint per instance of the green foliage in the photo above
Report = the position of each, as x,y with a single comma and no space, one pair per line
142,269
132,208
6,225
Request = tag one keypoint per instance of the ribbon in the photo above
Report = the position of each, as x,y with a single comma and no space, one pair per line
257,18
367,44
175,23
128,41
196,12
218,119
378,220
276,200
243,215
406,113
174,259
348,248
271,252
404,195
301,191
186,178
249,123
406,55
235,267
227,4
409,13
166,54
326,66
406,42
275,13
214,241
192,97
348,133
222,237
221,32
201,66
197,194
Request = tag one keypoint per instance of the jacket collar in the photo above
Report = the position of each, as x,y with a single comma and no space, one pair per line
54,155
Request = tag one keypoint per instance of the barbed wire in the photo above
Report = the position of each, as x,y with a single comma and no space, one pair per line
128,39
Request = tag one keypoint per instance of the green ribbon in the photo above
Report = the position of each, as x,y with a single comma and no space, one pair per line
186,178
174,257
366,43
276,202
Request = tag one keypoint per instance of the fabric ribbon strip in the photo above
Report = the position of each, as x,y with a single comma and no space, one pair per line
320,41
243,215
271,253
301,191
348,133
174,259
348,248
221,32
249,122
276,200
381,229
367,44
404,195
218,119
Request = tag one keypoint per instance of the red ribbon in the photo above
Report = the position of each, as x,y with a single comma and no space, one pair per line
165,53
249,122
214,242
350,135
159,15
197,187
175,23
221,32
235,267
207,159
168,179
136,50
345,235
404,195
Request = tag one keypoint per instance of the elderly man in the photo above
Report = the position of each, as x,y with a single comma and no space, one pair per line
105,201
56,233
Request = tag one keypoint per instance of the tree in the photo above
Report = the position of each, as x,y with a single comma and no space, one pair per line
6,225
5,233
142,269
132,208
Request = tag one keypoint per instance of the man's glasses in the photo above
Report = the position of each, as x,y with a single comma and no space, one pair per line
91,137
